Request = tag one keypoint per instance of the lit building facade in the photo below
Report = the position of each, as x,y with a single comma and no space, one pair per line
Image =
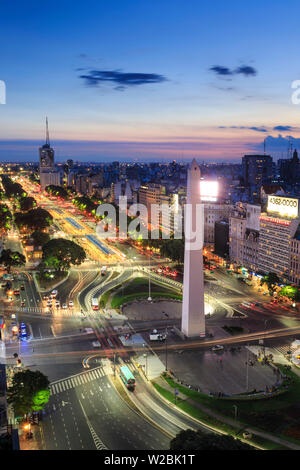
277,230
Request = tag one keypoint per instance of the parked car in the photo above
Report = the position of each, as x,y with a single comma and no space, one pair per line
217,347
64,306
71,304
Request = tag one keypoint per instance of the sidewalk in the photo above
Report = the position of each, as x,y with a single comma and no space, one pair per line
231,422
29,444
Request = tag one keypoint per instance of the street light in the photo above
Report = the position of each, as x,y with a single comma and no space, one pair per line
167,316
235,411
149,298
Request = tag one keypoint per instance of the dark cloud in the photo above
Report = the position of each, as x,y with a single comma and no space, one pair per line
245,70
121,80
283,128
220,70
251,128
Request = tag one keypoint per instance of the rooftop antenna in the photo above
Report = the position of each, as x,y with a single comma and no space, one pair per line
47,133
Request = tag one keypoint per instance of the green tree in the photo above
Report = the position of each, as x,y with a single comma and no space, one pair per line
35,219
27,203
197,440
291,292
29,392
40,238
271,280
57,191
60,253
5,217
12,258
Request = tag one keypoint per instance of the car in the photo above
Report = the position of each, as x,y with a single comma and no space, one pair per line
54,293
22,287
22,331
57,304
16,292
64,306
45,297
13,316
22,303
71,303
217,347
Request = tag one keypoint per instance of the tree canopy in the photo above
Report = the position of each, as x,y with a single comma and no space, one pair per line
35,219
5,217
12,258
12,189
29,392
197,440
27,203
40,238
60,253
57,191
271,280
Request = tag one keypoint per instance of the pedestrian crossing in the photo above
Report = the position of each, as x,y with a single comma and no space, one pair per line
283,349
76,380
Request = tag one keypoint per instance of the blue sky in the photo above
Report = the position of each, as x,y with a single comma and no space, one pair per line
149,80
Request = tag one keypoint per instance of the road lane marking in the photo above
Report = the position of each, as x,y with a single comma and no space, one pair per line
97,441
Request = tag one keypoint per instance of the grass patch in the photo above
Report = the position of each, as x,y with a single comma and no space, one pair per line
139,289
279,415
213,422
47,280
117,300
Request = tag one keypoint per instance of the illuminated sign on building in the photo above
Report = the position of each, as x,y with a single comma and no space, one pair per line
209,191
284,206
274,220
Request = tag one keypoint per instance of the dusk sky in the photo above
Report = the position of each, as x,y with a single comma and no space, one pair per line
156,80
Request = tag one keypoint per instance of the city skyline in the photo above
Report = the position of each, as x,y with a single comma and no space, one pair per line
210,82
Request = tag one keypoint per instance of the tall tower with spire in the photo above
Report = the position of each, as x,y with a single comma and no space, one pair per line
193,314
48,173
46,153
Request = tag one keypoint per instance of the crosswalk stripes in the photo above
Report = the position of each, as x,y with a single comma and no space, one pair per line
76,380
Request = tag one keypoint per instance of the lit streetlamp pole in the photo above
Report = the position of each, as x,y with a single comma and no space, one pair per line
167,316
149,298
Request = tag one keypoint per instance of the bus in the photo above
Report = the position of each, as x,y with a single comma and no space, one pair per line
95,305
127,377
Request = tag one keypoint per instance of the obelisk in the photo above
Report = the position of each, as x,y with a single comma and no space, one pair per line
193,314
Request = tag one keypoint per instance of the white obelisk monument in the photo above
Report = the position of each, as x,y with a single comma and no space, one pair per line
193,315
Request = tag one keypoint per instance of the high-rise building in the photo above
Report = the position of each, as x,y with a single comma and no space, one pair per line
46,153
48,173
257,169
278,226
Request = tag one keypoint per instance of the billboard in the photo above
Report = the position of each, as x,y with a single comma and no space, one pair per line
209,191
284,206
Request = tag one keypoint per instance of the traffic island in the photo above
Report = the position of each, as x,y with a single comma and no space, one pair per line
272,419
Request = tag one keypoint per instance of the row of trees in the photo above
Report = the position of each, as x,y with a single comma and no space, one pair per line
12,189
86,204
57,191
34,219
172,248
5,218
